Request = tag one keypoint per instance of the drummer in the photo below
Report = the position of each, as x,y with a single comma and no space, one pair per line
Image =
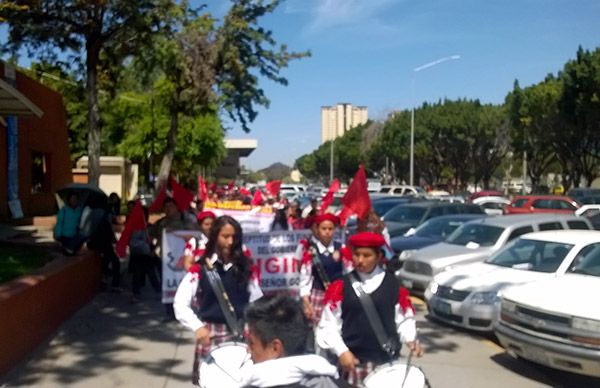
195,246
333,260
277,335
345,329
197,306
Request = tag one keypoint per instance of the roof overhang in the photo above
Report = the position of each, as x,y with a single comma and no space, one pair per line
243,146
14,103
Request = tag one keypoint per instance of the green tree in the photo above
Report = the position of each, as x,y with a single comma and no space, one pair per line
98,36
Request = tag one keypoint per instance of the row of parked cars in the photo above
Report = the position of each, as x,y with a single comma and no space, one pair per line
532,279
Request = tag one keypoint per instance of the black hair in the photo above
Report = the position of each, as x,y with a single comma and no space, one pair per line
281,219
241,263
279,317
168,200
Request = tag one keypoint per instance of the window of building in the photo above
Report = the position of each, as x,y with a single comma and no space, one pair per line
40,172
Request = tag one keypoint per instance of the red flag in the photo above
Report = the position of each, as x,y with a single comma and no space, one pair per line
357,197
345,214
257,200
273,187
245,192
181,195
328,198
135,221
202,191
158,201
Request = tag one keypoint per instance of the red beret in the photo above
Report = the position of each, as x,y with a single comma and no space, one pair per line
326,217
205,214
366,240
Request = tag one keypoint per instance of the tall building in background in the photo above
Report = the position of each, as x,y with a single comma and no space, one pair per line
335,120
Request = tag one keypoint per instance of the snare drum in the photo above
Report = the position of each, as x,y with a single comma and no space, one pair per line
225,365
393,374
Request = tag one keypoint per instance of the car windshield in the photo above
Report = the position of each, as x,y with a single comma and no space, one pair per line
531,255
587,261
481,234
405,214
437,228
382,207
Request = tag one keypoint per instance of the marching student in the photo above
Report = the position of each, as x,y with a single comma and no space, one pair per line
322,261
277,334
195,246
347,330
198,306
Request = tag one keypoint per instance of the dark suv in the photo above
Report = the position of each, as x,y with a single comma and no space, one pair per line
401,218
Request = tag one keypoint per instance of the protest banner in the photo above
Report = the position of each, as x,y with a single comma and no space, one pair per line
173,245
253,221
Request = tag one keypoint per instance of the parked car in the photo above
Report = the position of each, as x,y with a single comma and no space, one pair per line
403,217
542,204
485,193
556,322
474,241
578,193
492,205
469,296
415,191
428,233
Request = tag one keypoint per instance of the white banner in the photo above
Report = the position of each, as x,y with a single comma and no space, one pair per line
173,245
275,252
251,221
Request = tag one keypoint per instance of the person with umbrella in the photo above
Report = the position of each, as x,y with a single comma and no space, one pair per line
67,228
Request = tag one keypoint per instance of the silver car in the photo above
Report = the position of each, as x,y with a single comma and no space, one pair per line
476,240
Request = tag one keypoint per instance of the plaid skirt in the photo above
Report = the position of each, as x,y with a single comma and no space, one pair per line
220,333
360,372
316,301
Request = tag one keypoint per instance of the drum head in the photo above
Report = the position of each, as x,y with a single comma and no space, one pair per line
392,375
225,366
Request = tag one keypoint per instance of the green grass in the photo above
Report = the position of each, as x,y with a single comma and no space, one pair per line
17,260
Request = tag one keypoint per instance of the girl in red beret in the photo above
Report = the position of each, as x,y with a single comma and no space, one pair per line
195,246
322,262
345,329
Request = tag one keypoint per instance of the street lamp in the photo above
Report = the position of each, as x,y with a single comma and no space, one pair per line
412,115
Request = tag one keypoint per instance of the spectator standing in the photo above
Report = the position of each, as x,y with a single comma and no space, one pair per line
142,261
67,228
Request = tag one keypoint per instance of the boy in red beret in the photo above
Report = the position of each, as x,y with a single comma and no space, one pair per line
195,246
345,328
322,261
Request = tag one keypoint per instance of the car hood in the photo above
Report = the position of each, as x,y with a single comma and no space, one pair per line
402,243
443,254
570,294
486,277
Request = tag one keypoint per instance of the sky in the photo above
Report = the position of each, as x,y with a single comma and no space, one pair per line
364,52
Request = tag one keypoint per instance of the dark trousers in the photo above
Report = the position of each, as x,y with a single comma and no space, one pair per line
111,265
142,266
71,245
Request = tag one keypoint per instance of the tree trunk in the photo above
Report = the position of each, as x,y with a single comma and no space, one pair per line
167,160
94,126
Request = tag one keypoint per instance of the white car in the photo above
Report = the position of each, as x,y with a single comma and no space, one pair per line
492,205
556,322
469,296
414,191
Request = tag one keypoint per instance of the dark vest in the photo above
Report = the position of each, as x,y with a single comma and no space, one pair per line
237,290
334,269
356,329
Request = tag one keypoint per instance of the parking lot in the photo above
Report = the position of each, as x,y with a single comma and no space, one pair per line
459,358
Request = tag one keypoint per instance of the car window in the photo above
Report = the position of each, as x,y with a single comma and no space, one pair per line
385,190
542,204
437,228
436,212
492,205
564,205
398,191
484,235
382,207
531,255
550,226
577,225
519,202
587,261
470,209
519,232
405,214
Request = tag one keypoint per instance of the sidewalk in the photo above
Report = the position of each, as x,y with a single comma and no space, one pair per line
111,343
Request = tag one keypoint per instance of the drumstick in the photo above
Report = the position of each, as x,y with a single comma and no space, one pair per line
409,360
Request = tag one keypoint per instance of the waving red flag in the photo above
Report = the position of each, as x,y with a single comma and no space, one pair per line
181,195
357,198
273,187
202,191
328,198
135,221
158,201
257,200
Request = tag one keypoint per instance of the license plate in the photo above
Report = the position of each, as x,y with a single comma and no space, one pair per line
443,307
536,355
407,283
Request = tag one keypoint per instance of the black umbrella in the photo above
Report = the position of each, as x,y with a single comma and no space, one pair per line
89,195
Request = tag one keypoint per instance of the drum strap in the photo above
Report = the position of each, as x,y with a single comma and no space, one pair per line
226,307
318,264
387,344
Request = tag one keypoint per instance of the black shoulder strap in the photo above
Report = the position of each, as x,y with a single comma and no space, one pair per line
226,307
386,343
318,265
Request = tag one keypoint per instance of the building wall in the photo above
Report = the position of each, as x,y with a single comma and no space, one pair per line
336,120
45,136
